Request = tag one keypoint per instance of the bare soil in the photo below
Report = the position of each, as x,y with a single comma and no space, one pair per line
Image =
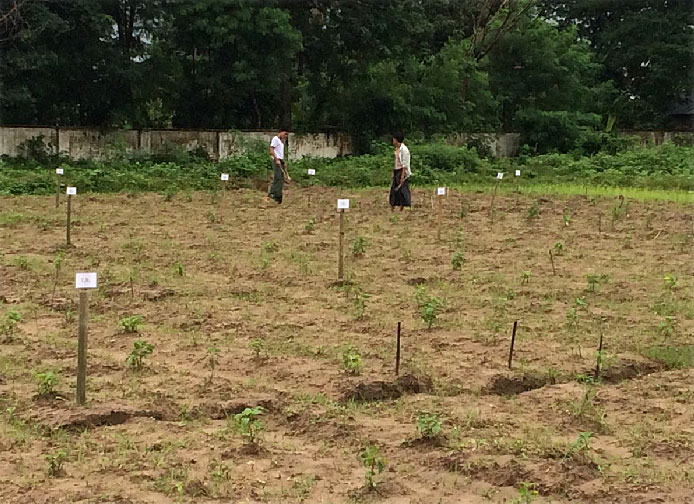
223,272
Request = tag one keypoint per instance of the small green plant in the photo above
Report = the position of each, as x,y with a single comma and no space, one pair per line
558,248
394,219
582,443
667,327
430,306
351,360
169,195
358,246
374,463
670,282
9,325
359,301
131,324
178,269
526,493
257,346
595,280
247,424
428,425
310,226
55,463
270,247
533,211
525,277
566,217
47,381
69,316
672,357
23,262
212,217
458,260
141,349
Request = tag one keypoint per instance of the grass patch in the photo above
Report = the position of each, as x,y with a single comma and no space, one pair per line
672,357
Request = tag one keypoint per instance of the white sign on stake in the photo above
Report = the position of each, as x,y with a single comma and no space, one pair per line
85,281
499,176
225,177
343,204
59,171
517,173
311,171
71,191
441,191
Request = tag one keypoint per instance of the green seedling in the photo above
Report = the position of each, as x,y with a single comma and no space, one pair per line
351,360
55,463
270,247
525,278
359,301
47,381
131,324
374,463
670,282
428,425
429,306
247,424
533,211
582,443
9,325
310,226
212,361
558,248
566,217
358,246
595,280
526,493
178,269
667,327
458,260
141,349
257,346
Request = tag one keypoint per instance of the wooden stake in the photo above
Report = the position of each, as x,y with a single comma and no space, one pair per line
491,208
551,258
69,216
599,223
440,216
598,364
397,353
57,190
82,347
513,342
340,259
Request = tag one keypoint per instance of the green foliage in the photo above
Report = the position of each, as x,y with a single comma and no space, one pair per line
178,269
351,360
594,280
55,462
670,282
131,324
533,212
47,381
270,247
526,493
672,357
566,216
257,346
374,463
359,298
9,324
141,349
458,260
525,277
247,424
558,249
429,305
428,425
212,361
358,246
310,226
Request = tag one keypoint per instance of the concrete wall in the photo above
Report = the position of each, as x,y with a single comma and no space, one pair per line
89,143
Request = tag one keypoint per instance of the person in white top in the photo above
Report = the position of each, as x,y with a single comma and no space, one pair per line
280,173
400,188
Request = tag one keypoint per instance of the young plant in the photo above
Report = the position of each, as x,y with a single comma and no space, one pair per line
247,424
212,217
582,443
595,280
47,382
566,217
359,246
55,463
526,493
257,346
359,301
533,211
212,361
374,463
525,278
429,305
131,324
178,269
428,425
351,360
458,260
270,247
141,349
57,264
670,282
9,325
310,226
558,248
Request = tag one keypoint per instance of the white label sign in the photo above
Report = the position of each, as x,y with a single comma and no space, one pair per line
499,176
85,281
225,176
59,171
441,191
343,204
311,171
71,191
517,173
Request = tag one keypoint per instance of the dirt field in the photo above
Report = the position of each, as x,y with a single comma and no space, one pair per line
253,283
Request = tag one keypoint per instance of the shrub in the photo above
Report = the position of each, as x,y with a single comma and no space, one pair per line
351,360
141,349
47,381
428,425
131,324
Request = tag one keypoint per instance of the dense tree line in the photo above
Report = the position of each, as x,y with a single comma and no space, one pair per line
365,66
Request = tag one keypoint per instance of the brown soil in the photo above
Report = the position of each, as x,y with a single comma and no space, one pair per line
249,280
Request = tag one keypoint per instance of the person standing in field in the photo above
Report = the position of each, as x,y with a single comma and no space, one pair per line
400,188
279,166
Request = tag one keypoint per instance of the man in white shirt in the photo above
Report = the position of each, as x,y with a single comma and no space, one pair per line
279,167
400,188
